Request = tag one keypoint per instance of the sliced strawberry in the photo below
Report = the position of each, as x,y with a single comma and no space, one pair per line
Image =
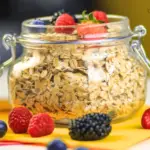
91,30
101,16
145,121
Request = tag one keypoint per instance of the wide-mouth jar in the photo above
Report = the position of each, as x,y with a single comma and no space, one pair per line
69,75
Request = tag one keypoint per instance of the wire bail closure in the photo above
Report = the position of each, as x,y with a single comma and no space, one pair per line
9,42
137,47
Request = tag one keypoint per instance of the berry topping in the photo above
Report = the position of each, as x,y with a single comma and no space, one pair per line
101,16
3,128
90,127
41,125
81,148
65,20
37,22
145,121
18,119
57,145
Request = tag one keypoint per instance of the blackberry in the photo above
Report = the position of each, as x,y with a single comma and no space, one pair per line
90,127
56,15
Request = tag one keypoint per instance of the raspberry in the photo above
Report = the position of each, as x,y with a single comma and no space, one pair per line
56,15
18,119
145,121
40,125
100,15
65,20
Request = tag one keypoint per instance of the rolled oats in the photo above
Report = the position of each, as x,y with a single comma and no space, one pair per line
71,80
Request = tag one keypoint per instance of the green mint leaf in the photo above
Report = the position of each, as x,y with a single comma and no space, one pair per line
81,20
91,17
84,14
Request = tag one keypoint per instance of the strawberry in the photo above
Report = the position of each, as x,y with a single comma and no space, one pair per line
86,29
18,119
67,21
41,125
145,121
90,27
100,15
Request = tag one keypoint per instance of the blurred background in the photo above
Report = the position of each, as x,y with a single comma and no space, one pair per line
138,11
13,12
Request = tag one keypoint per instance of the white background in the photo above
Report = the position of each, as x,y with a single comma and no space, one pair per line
4,86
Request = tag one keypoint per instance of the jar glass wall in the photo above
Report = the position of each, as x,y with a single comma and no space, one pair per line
69,76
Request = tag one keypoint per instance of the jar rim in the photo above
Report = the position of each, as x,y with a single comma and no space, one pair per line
119,20
118,27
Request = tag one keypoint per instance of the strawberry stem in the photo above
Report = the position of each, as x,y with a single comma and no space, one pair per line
89,17
84,14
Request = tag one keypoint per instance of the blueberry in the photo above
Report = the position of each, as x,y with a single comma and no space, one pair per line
57,145
3,128
37,29
37,22
81,148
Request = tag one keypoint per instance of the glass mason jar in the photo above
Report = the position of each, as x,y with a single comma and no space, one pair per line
69,75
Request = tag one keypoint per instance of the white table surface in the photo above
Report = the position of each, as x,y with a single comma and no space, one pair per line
20,147
144,146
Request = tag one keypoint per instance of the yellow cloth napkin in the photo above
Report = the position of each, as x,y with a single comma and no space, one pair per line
4,105
123,135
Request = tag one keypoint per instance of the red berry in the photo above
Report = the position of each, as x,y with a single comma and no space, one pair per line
146,119
100,15
18,119
65,20
41,125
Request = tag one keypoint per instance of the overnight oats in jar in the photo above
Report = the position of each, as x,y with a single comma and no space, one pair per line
76,65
